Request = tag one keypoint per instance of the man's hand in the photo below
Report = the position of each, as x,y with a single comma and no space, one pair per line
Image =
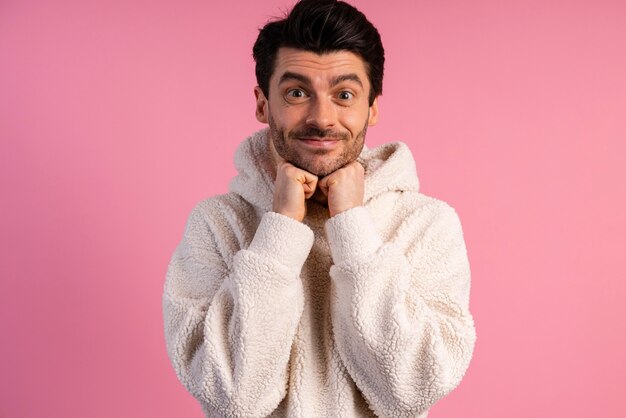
291,189
345,188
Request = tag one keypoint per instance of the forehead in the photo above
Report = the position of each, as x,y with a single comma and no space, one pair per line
318,66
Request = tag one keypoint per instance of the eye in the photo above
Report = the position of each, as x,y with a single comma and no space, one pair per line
296,94
345,95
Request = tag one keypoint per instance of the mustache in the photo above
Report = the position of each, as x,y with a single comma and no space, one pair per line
313,132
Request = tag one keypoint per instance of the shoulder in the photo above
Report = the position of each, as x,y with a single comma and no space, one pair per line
409,215
410,204
429,206
226,217
221,207
426,211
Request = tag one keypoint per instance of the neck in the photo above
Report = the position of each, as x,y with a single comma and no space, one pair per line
319,197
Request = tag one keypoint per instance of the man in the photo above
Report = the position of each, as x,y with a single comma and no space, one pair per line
324,284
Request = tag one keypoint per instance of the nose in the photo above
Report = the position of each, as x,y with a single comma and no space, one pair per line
321,113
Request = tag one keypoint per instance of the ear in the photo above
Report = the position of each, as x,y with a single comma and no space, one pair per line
373,116
262,112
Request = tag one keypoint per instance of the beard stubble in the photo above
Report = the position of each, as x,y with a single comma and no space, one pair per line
286,147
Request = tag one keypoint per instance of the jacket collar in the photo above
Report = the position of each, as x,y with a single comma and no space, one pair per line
388,168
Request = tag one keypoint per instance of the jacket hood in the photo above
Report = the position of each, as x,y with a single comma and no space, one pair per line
388,167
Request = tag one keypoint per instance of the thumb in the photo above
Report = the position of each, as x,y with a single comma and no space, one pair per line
309,183
326,183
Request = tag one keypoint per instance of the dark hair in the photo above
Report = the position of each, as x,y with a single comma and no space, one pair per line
321,26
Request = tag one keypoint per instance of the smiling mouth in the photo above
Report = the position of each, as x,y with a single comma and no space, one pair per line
319,142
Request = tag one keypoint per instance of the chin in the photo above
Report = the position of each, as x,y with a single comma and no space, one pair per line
320,170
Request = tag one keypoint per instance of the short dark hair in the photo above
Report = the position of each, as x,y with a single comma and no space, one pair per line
321,26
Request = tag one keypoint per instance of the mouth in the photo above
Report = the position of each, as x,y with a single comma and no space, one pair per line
317,138
320,142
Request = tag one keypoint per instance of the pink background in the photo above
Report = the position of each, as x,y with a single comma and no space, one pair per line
117,117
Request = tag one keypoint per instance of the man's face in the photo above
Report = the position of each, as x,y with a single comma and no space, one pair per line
317,109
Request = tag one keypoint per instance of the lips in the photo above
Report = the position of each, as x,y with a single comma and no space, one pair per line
319,142
319,139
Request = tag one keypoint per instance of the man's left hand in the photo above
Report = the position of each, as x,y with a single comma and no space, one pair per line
344,188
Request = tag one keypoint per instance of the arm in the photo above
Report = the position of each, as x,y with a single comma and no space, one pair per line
401,309
229,324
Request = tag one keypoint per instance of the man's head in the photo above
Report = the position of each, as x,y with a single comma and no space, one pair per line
321,26
319,71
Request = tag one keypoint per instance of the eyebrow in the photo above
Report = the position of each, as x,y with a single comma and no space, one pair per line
289,75
347,77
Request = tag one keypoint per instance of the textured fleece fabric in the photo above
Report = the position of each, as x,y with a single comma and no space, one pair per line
363,314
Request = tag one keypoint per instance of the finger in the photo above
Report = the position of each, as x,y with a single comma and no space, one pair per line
309,176
322,185
310,185
284,166
304,177
355,166
359,166
309,190
327,182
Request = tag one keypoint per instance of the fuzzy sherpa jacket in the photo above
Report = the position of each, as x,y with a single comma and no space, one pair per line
362,314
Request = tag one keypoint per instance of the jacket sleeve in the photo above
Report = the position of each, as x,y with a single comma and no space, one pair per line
229,324
401,308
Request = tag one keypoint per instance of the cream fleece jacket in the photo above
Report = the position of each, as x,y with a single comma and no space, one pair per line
362,314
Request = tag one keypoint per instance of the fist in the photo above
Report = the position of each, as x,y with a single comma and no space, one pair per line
291,189
344,188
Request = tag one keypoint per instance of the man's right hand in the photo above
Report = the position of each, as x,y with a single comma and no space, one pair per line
291,189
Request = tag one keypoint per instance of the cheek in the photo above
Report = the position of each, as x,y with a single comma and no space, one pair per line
354,120
288,117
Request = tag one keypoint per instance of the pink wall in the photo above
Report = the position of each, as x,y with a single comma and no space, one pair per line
116,117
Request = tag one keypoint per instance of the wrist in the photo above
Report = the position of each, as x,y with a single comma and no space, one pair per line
337,211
